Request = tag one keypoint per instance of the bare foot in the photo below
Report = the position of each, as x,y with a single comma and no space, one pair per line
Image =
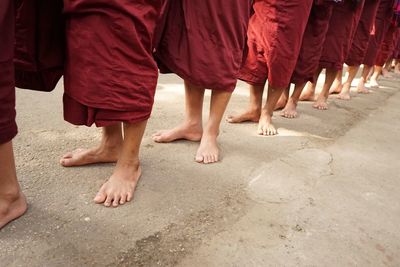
252,115
336,90
184,131
208,151
265,126
290,111
345,93
307,95
120,186
373,83
361,89
11,208
386,73
344,96
80,157
321,103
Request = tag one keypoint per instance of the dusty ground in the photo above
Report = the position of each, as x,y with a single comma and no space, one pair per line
325,192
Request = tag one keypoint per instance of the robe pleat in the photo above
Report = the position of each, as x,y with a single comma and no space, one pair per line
110,73
203,41
274,39
8,126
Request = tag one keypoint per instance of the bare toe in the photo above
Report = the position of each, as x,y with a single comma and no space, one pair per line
122,200
199,158
100,197
108,201
116,200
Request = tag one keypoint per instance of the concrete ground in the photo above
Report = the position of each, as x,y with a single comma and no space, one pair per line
324,192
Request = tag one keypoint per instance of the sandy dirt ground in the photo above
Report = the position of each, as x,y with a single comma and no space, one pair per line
324,192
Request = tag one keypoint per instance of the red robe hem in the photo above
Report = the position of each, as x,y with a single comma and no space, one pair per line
79,114
203,42
313,41
274,40
342,28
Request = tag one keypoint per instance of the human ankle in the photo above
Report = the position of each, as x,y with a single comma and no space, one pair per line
128,163
10,195
192,124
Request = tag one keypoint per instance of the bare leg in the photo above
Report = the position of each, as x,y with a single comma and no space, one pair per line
108,150
308,93
192,127
375,76
265,126
322,100
290,110
12,200
254,110
208,151
386,69
337,83
364,77
397,67
121,185
283,99
352,72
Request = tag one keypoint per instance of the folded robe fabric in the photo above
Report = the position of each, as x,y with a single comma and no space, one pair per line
342,28
388,45
8,126
110,73
39,46
203,41
313,41
382,22
274,39
362,37
396,53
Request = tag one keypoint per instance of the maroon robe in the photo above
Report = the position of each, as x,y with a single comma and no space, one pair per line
274,39
8,126
396,53
203,41
388,45
382,23
362,37
110,73
313,41
342,28
40,44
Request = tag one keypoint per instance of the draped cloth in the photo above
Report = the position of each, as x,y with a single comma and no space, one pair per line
388,46
382,23
274,39
8,126
110,73
313,42
342,28
203,41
